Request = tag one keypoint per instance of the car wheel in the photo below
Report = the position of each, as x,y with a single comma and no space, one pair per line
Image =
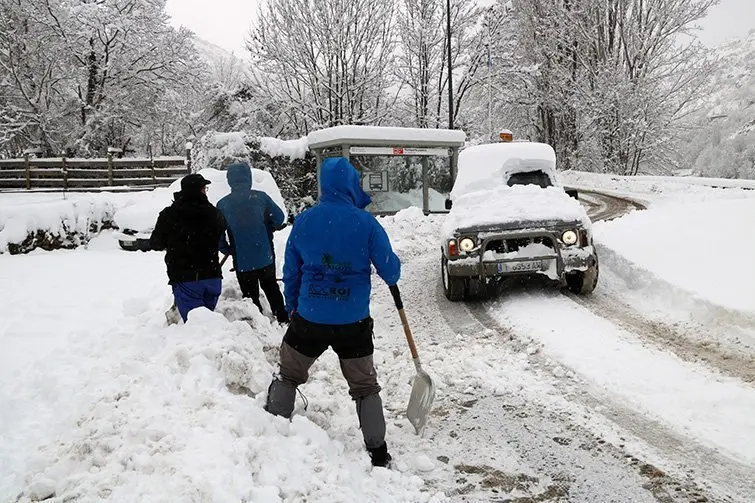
584,282
453,286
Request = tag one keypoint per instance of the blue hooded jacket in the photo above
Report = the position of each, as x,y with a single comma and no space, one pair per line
327,270
251,216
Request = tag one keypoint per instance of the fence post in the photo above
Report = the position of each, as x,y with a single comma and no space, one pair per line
110,169
65,174
189,146
28,170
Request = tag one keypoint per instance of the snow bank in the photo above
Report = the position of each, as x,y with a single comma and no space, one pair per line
513,204
53,224
412,233
704,247
652,189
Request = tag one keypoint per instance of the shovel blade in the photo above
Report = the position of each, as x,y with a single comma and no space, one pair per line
420,401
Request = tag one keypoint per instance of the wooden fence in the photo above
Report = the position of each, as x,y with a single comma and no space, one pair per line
71,173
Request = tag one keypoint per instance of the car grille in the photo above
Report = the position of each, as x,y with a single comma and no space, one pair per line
512,245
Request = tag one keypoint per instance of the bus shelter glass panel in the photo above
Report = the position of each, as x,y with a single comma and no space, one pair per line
439,183
395,182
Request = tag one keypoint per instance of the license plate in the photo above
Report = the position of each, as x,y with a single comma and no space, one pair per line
528,266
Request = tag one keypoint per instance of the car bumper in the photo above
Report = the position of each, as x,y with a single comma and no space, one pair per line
134,242
555,264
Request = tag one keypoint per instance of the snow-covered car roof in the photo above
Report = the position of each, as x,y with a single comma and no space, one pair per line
141,217
491,165
382,136
527,205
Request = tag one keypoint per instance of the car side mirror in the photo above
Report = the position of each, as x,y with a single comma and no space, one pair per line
572,193
449,203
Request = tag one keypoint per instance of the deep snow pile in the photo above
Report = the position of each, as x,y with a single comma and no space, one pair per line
120,406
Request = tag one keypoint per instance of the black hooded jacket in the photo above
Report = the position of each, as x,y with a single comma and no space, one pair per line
189,230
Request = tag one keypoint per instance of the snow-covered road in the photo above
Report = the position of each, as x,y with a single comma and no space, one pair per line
641,392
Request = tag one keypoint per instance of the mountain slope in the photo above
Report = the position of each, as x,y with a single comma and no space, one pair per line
725,146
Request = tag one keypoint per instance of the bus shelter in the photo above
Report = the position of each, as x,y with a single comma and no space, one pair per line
400,167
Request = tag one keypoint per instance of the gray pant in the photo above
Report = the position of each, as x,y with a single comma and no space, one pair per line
359,372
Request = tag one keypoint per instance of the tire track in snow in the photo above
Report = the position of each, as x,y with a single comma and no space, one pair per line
703,465
689,344
570,463
735,359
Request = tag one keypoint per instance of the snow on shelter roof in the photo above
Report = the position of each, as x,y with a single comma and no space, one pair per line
490,165
385,137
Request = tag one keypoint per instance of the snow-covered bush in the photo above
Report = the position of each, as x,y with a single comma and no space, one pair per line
288,161
53,225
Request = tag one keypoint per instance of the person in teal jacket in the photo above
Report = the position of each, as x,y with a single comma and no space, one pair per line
252,216
327,278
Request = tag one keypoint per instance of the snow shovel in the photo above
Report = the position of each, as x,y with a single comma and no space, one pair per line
423,388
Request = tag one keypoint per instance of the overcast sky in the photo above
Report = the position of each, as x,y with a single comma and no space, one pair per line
226,22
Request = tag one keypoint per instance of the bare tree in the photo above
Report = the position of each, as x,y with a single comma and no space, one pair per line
613,79
326,62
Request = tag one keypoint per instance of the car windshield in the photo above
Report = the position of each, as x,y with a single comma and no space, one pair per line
530,178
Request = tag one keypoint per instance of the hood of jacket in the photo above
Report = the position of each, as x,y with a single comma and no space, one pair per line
340,182
239,176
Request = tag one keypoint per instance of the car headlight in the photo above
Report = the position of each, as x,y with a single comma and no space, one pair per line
466,244
569,237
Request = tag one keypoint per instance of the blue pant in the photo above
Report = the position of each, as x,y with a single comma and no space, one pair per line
193,294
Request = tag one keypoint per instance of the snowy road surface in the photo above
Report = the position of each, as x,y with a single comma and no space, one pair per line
640,392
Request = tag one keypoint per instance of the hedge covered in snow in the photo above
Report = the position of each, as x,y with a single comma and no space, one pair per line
289,161
28,222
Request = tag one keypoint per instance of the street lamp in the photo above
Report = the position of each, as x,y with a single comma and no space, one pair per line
450,72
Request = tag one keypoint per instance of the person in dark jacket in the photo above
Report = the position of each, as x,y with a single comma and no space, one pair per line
327,286
190,230
252,217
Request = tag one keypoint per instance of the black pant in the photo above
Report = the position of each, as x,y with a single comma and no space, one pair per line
250,283
348,341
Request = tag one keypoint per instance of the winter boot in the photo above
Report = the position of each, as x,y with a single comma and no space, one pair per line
281,396
379,456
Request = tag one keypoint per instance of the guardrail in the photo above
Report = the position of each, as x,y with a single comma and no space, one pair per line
72,173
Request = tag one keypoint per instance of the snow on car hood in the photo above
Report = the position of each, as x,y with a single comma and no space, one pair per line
141,216
505,204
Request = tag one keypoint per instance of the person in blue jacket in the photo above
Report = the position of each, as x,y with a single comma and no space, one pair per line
252,217
326,279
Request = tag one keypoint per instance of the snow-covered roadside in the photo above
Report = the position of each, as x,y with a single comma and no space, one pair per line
652,190
704,248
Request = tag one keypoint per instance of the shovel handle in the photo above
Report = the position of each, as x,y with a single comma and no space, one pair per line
404,321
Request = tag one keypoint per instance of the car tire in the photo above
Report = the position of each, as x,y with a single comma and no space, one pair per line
584,282
454,287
